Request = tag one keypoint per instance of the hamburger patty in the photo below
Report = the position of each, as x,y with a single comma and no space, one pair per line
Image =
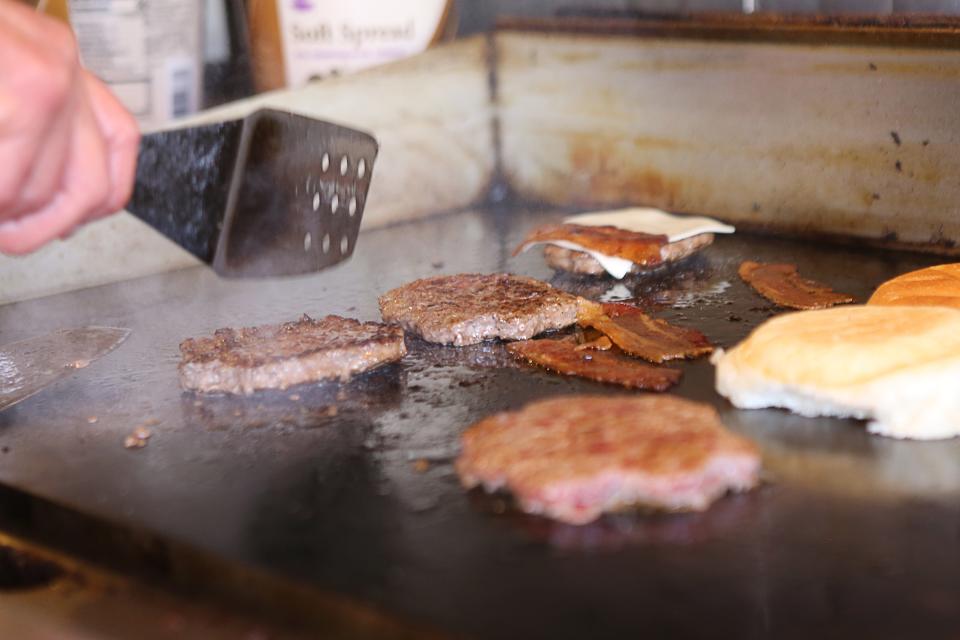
573,458
284,355
470,308
574,261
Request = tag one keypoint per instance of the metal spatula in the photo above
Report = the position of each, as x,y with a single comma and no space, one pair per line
29,366
273,194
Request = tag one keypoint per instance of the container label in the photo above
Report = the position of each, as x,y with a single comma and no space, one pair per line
325,37
148,51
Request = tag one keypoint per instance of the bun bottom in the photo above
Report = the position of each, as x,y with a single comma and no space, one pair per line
921,403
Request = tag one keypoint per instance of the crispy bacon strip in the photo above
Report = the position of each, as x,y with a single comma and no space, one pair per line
597,344
783,286
640,248
562,356
639,335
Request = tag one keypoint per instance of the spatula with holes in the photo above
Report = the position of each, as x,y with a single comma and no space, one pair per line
271,194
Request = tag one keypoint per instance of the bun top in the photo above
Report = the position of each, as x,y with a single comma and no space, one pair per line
933,286
848,345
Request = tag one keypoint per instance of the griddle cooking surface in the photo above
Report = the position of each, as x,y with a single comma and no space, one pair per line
853,535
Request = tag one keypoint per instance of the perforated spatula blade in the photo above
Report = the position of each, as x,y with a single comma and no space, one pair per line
272,194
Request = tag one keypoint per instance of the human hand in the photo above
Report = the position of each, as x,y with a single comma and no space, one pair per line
68,148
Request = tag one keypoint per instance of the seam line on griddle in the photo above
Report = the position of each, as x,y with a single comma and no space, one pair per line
498,181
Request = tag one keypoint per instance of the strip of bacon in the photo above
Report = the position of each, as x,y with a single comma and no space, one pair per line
597,344
639,335
640,248
562,356
783,286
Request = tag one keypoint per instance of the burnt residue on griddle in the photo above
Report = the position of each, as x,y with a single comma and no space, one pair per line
306,406
690,282
769,308
23,571
484,355
631,527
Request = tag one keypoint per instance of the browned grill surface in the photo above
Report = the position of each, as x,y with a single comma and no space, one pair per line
852,536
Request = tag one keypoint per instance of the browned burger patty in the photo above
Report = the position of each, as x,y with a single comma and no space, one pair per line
575,261
573,458
284,355
470,308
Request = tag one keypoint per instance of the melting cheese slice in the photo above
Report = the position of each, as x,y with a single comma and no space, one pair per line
617,267
643,220
653,221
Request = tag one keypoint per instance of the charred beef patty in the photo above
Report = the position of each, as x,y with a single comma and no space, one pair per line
573,458
284,355
470,308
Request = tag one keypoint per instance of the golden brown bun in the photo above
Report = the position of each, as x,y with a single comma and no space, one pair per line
934,286
897,366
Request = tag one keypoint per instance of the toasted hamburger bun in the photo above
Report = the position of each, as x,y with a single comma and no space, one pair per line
898,367
933,286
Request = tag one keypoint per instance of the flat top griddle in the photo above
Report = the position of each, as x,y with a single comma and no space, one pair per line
850,535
